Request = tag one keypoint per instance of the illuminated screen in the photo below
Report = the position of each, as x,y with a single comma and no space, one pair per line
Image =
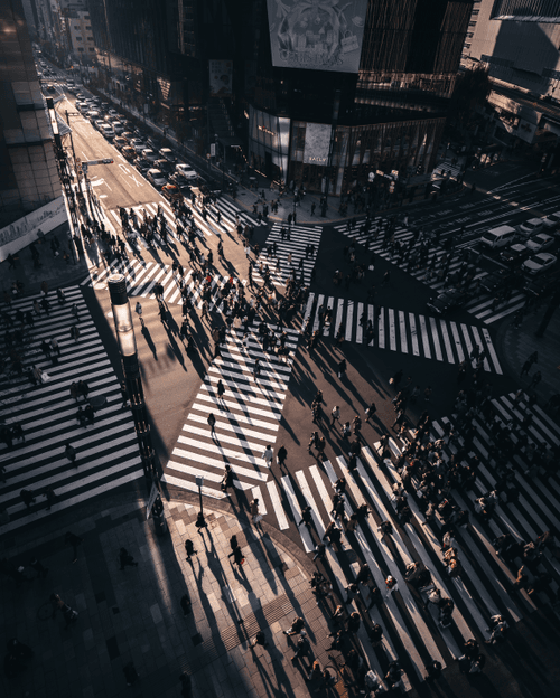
317,139
317,34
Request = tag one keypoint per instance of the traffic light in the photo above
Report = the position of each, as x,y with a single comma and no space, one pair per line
392,187
419,169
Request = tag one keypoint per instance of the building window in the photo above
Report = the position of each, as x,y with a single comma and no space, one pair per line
472,24
88,29
78,38
467,46
470,35
474,13
80,48
89,38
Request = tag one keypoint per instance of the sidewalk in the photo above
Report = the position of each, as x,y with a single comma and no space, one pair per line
54,270
135,615
518,345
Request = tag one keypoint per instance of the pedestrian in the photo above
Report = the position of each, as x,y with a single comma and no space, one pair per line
186,603
70,452
73,540
238,558
126,559
297,626
259,639
267,456
75,333
335,414
282,455
536,379
139,311
320,446
211,420
228,479
434,670
50,496
306,516
130,674
254,509
27,498
370,411
124,395
189,549
526,367
354,622
341,368
220,389
70,616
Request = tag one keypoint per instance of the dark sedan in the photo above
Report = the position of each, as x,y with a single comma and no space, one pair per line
446,301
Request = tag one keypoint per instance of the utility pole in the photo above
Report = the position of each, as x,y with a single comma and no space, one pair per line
71,138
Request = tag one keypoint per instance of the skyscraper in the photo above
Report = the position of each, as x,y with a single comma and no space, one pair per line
29,181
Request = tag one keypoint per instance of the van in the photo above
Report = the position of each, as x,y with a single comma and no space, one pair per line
530,227
499,237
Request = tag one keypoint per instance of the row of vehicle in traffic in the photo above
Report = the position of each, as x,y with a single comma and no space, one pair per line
527,259
158,164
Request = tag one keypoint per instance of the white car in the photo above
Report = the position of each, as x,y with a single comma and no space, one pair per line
156,178
539,242
149,155
185,170
533,225
138,145
107,131
552,220
118,128
98,124
538,263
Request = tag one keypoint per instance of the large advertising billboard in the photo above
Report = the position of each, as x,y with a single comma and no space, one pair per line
317,141
221,73
317,34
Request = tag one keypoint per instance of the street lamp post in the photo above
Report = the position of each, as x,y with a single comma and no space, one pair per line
200,485
122,317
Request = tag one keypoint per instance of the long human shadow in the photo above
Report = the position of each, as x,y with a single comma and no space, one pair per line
148,337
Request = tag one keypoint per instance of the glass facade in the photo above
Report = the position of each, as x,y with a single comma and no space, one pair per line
269,144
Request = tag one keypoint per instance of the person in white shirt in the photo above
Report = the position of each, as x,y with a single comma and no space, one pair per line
267,455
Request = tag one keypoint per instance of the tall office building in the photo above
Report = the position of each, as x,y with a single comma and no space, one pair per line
347,90
517,42
30,190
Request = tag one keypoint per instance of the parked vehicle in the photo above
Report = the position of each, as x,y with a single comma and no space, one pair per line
168,155
515,254
499,237
533,225
118,128
540,242
185,170
171,192
552,221
539,263
107,132
119,142
148,155
156,178
128,153
446,301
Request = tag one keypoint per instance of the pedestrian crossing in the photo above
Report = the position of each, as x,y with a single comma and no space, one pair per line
429,263
412,632
255,377
107,450
296,253
141,279
400,331
205,226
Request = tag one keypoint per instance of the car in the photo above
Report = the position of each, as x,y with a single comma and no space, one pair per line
80,95
148,155
81,106
168,155
543,286
105,106
540,242
138,145
171,192
515,254
98,124
492,282
154,143
107,132
448,300
128,153
93,115
533,225
180,181
127,135
185,170
552,220
112,112
164,166
142,166
539,263
119,142
156,178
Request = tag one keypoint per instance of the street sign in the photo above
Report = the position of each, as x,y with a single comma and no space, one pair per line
152,498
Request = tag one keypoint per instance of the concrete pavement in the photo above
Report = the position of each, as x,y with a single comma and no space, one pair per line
135,615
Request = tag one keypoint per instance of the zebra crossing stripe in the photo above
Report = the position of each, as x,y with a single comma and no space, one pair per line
414,335
371,343
292,501
492,351
381,329
256,492
349,318
435,339
392,337
446,341
458,347
404,341
274,495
